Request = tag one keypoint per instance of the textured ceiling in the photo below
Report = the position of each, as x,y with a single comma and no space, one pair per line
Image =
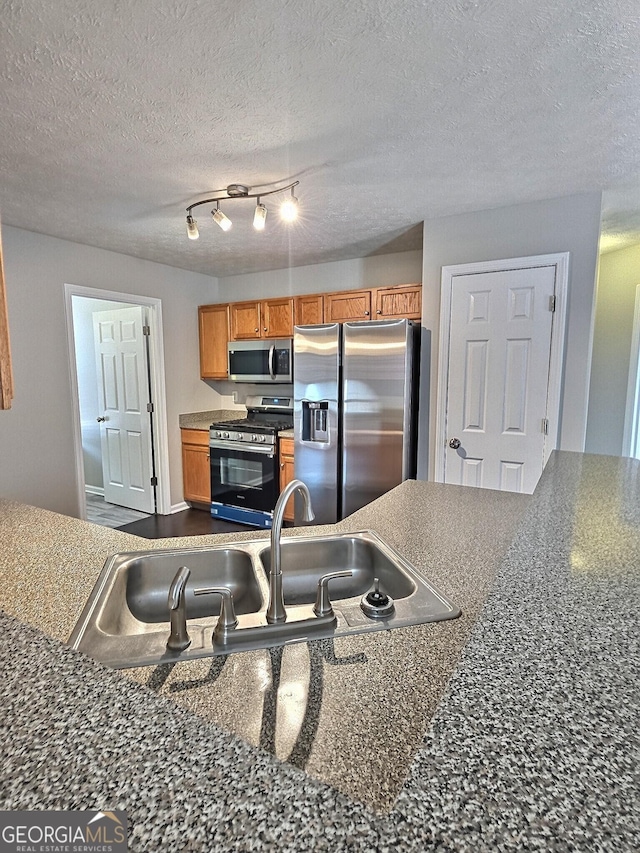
114,116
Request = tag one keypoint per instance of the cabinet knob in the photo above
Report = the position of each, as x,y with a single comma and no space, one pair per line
256,329
282,464
366,313
378,311
265,329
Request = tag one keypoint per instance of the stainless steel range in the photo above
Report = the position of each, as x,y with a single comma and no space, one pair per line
244,461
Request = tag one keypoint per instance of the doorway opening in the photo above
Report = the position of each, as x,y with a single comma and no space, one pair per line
116,362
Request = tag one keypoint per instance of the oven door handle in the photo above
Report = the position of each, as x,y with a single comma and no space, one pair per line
272,369
264,450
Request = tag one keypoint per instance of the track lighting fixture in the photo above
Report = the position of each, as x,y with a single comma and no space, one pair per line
288,210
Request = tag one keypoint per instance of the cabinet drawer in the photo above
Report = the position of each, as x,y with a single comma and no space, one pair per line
286,446
195,436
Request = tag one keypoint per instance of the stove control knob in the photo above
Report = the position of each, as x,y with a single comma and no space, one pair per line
240,436
263,438
225,435
218,434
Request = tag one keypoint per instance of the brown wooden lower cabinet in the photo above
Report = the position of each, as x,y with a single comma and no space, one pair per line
196,476
286,473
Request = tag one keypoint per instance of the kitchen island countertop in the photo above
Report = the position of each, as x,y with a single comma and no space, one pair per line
532,746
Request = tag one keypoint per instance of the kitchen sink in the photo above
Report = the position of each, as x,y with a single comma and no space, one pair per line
305,561
125,622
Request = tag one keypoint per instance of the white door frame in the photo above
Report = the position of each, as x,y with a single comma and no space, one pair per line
561,262
158,390
631,437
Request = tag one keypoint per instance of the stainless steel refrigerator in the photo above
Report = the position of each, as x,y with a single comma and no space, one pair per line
355,412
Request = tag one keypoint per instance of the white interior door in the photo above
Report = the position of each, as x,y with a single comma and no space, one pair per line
497,389
123,394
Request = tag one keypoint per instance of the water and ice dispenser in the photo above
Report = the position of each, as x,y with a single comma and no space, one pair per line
315,421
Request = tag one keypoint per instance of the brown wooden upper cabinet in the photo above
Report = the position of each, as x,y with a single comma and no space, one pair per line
270,318
347,305
402,301
308,310
213,324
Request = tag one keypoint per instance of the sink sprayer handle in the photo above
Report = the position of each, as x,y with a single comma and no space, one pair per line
227,620
323,606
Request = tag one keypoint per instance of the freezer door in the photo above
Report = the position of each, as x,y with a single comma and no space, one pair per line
316,376
379,400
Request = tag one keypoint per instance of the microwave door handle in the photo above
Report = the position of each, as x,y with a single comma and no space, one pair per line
272,352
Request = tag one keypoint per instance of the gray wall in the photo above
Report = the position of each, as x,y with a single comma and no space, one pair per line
374,271
36,439
570,224
618,276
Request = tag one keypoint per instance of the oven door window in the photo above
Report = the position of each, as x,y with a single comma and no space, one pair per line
244,479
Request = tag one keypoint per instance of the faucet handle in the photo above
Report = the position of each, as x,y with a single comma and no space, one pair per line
227,620
323,606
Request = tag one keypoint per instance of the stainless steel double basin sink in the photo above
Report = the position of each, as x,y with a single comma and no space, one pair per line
125,622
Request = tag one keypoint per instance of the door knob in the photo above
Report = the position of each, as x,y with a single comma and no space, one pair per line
454,444
101,420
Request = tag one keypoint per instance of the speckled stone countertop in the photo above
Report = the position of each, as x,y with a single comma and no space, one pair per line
533,744
203,420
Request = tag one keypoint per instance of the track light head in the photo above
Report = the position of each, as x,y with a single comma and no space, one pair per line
220,219
260,216
289,208
192,228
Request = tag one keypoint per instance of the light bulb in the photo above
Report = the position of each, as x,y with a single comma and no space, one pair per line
192,228
223,221
259,216
289,209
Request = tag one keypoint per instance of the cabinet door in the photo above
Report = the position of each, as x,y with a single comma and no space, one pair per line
196,472
277,318
347,305
213,326
308,310
245,320
399,302
287,473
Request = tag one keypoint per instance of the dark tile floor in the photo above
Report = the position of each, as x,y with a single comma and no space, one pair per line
189,522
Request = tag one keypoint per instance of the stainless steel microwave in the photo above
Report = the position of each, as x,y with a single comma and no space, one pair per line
261,361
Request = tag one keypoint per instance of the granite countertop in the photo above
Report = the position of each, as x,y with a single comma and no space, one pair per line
532,746
203,420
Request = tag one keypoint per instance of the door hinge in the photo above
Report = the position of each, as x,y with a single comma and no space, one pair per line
150,407
552,303
154,481
545,426
146,330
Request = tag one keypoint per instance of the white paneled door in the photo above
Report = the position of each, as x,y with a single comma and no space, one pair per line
125,421
497,389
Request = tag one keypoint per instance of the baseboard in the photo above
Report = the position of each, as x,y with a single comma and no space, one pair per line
94,490
179,507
